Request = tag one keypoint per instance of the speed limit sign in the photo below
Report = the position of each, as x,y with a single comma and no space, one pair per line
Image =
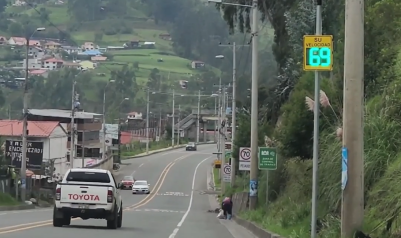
244,159
245,154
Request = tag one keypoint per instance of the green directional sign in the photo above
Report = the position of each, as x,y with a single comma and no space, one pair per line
267,158
228,155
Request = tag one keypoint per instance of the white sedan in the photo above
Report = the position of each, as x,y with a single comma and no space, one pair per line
140,186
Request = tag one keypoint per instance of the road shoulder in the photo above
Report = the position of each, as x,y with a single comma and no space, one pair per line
17,207
236,230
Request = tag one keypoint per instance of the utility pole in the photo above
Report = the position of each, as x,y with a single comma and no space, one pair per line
198,118
83,149
223,139
147,122
215,114
234,106
172,126
25,126
160,123
72,126
25,117
104,119
179,120
219,122
316,113
253,200
353,195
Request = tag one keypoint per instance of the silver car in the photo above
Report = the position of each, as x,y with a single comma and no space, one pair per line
190,146
141,186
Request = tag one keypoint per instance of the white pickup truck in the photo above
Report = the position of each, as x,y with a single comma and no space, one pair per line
88,193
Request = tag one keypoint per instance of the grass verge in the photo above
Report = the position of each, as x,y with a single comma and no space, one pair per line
216,177
7,200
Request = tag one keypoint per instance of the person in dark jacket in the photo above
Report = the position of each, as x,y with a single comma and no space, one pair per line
227,206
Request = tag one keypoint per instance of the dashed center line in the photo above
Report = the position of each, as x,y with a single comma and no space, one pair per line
178,194
157,210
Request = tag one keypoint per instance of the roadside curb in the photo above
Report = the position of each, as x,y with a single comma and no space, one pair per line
17,207
255,229
155,152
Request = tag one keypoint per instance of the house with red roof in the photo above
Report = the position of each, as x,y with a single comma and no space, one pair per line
19,41
52,63
47,141
39,72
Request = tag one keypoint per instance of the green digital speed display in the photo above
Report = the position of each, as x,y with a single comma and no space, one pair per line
318,53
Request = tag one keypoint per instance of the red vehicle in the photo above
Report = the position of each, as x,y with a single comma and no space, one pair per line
127,182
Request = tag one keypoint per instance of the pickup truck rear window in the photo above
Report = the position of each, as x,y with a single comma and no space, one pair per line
88,177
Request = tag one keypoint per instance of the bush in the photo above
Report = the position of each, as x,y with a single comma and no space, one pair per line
7,200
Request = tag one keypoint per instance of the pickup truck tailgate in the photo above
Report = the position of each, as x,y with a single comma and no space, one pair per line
84,194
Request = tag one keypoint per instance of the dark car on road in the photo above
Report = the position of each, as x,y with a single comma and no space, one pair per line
191,146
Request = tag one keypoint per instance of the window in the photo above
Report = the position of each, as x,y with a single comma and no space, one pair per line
140,183
128,178
88,177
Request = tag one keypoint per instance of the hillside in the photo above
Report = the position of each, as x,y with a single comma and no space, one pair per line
140,28
142,45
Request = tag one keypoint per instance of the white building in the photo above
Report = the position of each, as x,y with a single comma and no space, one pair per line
47,142
36,52
32,64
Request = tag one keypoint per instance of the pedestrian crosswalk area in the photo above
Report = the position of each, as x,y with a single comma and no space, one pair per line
177,194
157,210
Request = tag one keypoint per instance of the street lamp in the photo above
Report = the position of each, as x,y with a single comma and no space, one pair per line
119,129
219,56
254,101
25,119
104,117
147,119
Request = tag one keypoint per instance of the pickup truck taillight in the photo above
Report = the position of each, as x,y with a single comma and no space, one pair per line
58,194
109,196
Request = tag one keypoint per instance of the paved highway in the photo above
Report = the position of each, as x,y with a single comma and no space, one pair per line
176,207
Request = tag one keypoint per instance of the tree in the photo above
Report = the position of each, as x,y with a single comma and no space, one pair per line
3,5
15,29
44,15
98,36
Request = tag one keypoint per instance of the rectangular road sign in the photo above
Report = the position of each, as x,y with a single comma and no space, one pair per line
318,53
244,166
267,158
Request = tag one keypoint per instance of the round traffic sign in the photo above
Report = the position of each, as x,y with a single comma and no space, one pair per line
245,154
227,169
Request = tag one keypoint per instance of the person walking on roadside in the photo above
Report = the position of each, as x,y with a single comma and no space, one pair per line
227,206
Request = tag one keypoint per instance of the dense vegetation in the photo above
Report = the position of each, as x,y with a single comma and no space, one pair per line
287,120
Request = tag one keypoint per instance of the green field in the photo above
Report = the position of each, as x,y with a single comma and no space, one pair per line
171,67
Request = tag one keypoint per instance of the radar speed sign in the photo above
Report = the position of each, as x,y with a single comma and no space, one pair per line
318,53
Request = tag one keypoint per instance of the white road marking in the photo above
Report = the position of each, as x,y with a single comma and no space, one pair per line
157,210
179,194
133,173
175,231
140,165
26,211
